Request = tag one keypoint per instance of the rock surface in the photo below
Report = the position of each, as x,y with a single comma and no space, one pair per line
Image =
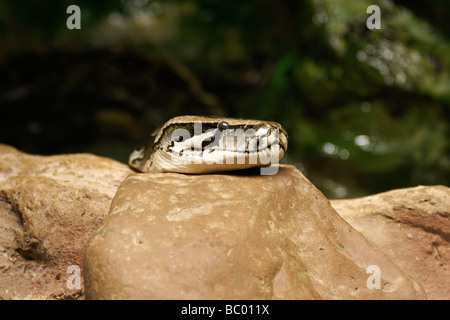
49,206
174,236
411,226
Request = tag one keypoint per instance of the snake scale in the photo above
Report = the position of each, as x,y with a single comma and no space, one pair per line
197,145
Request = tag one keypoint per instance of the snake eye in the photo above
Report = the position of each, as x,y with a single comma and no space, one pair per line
223,125
177,139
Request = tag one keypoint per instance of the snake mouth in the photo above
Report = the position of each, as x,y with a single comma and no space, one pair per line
253,147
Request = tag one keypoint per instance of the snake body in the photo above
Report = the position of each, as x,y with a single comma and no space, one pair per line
195,145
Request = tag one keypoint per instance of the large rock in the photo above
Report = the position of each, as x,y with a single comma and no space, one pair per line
174,236
411,226
49,206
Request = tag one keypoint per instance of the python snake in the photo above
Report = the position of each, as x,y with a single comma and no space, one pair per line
196,145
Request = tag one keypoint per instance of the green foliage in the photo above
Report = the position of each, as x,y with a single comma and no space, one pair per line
366,110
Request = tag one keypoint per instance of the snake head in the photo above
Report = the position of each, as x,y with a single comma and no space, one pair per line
191,144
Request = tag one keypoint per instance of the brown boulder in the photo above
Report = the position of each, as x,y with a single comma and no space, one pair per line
49,206
174,236
411,226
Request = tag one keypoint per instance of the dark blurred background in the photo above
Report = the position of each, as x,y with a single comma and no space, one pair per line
366,110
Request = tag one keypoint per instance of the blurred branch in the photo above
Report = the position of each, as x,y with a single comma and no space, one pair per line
193,81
